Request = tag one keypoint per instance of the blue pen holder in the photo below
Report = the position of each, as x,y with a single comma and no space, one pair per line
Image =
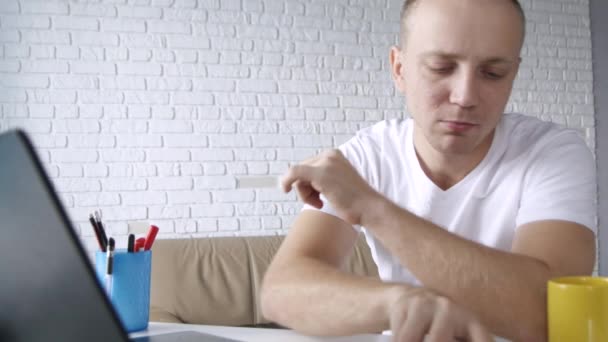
130,293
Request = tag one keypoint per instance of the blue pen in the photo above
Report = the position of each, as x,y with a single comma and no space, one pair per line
109,265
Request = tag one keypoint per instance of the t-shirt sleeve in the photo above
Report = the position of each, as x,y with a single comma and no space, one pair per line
359,151
561,184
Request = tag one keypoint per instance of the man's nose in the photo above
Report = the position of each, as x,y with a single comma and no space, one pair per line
465,90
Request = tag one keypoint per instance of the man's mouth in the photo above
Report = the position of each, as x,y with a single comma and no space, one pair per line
458,126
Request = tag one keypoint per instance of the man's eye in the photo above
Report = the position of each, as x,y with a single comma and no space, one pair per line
493,75
442,70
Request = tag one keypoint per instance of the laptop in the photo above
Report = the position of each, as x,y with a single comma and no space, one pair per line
48,290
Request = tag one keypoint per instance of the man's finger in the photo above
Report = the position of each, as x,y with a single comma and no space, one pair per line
478,333
397,318
308,194
295,173
417,324
441,328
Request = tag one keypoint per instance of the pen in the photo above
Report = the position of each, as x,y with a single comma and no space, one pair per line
109,266
96,230
150,237
102,231
131,243
139,243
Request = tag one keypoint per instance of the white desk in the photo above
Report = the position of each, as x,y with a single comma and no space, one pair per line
258,334
253,334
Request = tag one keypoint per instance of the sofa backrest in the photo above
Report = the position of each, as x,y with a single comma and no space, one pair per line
217,280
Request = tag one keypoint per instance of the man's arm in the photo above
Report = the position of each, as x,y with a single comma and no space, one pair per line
507,290
305,290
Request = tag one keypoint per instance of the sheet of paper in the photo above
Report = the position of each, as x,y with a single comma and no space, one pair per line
257,182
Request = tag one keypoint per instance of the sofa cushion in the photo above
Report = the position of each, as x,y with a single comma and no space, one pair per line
217,280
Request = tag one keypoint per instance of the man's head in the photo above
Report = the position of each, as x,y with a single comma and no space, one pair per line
408,7
456,66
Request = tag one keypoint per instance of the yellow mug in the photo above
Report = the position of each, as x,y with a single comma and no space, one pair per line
577,309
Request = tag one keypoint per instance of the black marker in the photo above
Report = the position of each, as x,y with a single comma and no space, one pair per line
131,243
109,266
97,234
102,231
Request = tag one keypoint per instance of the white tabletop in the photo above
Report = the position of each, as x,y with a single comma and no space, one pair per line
253,334
258,334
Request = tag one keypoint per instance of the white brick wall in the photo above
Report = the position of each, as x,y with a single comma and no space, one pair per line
148,109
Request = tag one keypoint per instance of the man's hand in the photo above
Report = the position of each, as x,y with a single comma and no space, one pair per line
332,175
419,313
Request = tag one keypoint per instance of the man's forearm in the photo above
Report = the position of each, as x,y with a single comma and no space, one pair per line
315,298
506,290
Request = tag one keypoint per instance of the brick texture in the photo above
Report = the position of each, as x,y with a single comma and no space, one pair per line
148,110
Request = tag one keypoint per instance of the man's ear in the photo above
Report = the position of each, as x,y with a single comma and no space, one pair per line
397,70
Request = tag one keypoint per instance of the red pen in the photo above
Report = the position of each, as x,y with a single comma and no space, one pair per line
150,238
139,243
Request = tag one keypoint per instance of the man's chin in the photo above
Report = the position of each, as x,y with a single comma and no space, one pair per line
457,146
456,151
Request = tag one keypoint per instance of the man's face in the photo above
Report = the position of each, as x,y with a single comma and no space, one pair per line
456,70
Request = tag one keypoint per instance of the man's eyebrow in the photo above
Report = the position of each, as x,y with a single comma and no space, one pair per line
447,55
499,60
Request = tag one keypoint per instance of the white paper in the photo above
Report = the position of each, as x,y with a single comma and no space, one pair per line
257,182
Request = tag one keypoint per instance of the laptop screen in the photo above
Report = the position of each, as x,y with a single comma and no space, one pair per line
48,291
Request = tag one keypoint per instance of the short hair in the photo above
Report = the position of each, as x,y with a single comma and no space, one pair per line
408,5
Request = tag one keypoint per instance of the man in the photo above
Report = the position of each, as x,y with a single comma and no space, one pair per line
468,212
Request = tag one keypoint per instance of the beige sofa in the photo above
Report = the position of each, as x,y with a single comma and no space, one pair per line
217,280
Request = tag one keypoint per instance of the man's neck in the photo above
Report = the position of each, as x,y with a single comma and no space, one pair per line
447,169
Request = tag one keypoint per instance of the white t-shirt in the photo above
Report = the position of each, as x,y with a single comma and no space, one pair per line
533,171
